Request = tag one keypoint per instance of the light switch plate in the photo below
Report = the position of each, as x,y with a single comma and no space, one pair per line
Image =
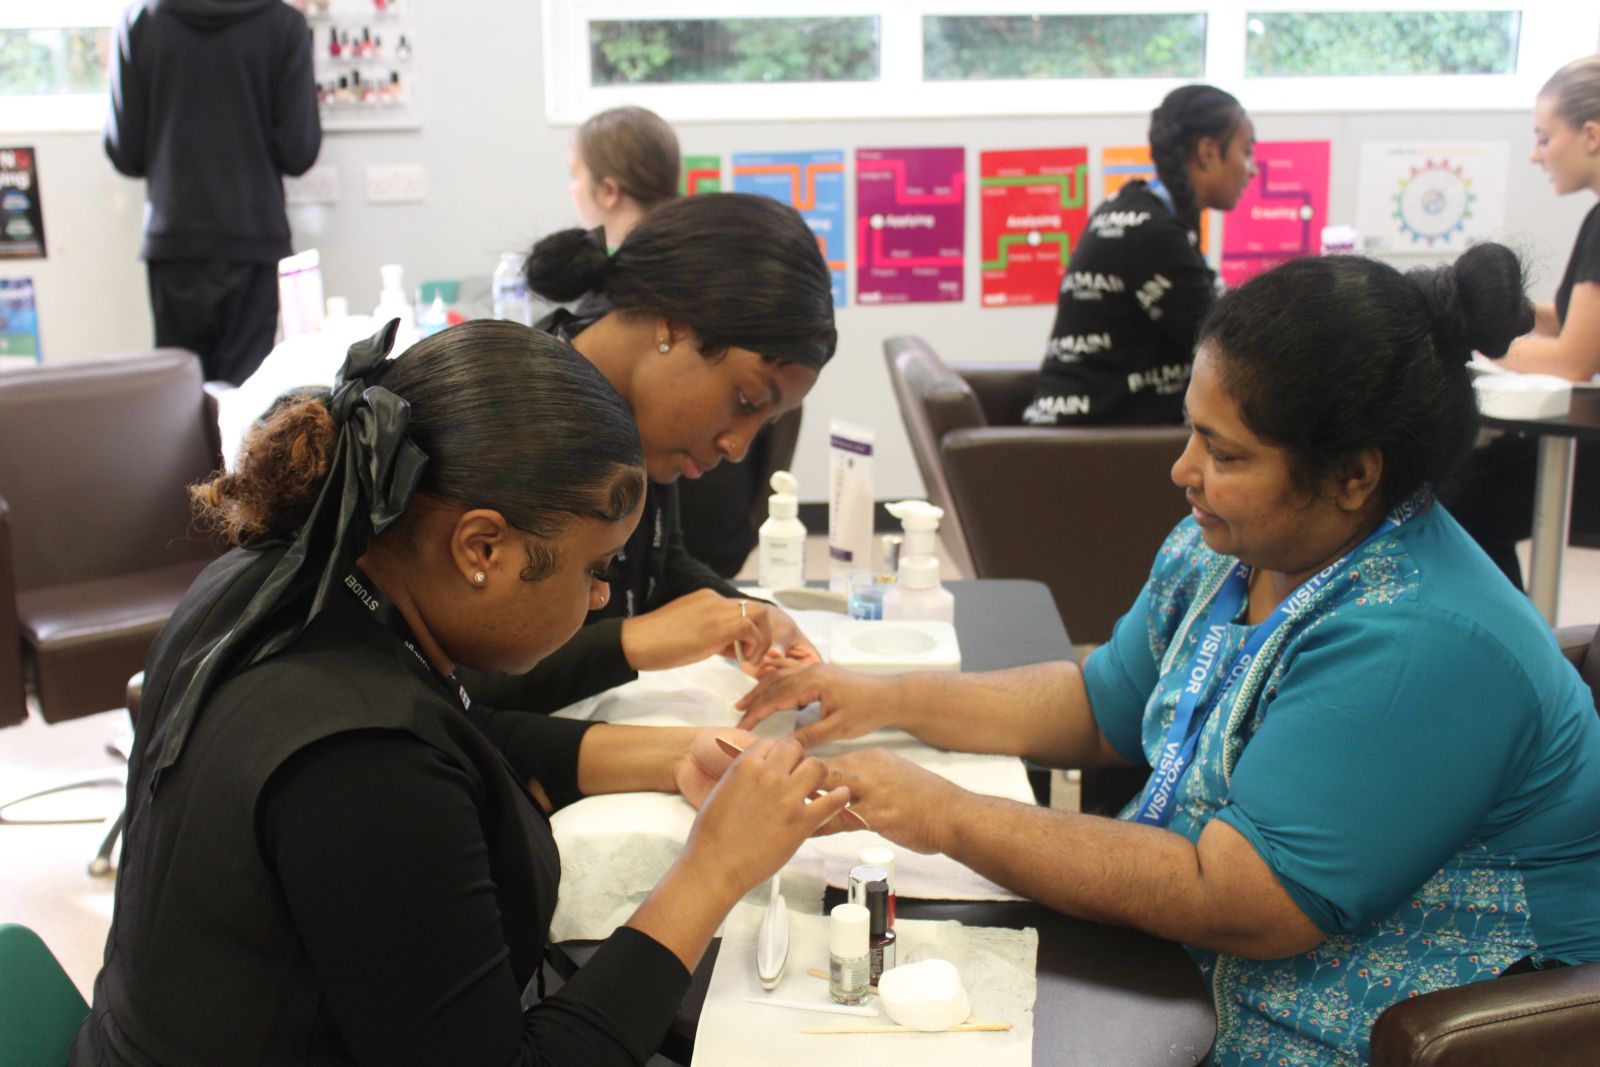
396,183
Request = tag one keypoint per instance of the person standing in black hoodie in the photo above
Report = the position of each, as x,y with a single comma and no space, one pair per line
213,102
1138,285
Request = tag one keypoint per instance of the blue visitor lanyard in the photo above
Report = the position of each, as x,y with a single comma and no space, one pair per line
1189,716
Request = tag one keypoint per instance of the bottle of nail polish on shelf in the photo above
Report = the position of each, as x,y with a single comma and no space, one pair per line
402,51
848,954
333,42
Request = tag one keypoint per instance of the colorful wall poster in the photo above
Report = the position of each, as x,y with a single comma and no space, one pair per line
910,224
701,174
1034,203
19,323
21,215
1282,212
813,184
1122,164
1433,198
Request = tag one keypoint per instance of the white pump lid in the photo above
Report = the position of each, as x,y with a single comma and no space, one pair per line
393,275
848,931
921,522
784,503
919,572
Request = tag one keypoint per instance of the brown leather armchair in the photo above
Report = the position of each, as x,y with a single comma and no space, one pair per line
1083,510
1540,1019
95,539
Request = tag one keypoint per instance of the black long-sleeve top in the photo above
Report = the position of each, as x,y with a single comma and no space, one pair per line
213,102
1132,299
345,867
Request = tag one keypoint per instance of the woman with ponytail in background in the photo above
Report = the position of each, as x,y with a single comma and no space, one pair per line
1138,284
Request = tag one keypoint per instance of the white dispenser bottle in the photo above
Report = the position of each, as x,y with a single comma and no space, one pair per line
392,301
917,593
781,563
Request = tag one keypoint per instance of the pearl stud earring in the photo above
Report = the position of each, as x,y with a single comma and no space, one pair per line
663,347
479,578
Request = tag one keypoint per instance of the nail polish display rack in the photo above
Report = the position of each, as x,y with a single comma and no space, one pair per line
364,61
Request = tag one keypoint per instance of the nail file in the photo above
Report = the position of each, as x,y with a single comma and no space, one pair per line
734,750
772,945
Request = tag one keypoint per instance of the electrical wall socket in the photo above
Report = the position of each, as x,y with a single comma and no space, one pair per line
319,185
396,183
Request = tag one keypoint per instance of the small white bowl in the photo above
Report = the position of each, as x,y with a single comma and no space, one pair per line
924,996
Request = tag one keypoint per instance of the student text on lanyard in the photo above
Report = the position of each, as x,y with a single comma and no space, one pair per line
1177,752
362,588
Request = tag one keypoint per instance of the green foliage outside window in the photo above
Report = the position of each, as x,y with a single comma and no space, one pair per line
1287,44
734,50
961,47
44,62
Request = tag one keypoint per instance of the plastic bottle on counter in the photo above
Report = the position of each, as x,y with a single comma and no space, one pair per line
781,563
511,291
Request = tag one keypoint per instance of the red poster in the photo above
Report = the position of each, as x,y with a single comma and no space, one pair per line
1035,205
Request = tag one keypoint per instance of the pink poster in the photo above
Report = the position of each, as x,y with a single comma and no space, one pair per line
910,224
1282,212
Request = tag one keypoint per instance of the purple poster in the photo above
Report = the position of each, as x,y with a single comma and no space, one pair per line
910,224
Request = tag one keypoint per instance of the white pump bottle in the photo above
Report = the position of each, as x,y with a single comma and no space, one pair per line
781,563
917,593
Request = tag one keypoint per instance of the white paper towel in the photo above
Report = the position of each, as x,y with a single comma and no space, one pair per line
998,966
614,849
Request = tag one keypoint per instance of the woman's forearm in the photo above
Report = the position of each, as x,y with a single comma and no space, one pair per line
631,759
1040,712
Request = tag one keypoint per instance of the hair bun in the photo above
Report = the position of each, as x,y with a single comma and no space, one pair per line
1476,303
566,265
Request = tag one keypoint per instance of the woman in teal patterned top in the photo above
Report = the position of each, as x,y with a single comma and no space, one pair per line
1375,775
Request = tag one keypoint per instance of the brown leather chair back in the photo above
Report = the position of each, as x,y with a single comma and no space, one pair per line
934,401
1082,510
94,458
95,539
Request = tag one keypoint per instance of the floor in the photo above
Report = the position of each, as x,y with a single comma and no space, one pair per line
43,882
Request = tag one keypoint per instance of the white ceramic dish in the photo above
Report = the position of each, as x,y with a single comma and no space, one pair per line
880,647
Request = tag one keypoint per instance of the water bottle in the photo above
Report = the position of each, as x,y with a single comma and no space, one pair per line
511,290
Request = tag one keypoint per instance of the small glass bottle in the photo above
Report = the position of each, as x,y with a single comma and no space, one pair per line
880,935
848,954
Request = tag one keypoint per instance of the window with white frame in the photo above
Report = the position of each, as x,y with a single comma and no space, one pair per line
53,62
719,59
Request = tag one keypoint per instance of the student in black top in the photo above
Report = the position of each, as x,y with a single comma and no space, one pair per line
1138,285
720,317
332,854
1495,503
625,163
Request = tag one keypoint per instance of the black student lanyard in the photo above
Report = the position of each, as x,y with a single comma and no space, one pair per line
383,610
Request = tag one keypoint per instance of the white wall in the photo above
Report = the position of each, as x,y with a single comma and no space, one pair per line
496,179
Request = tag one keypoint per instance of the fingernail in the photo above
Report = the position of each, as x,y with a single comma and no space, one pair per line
729,747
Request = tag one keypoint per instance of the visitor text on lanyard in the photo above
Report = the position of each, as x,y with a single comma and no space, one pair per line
1177,752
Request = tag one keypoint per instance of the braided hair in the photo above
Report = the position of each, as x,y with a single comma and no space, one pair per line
1188,114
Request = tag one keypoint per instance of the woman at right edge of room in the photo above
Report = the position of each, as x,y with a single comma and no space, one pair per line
1494,502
